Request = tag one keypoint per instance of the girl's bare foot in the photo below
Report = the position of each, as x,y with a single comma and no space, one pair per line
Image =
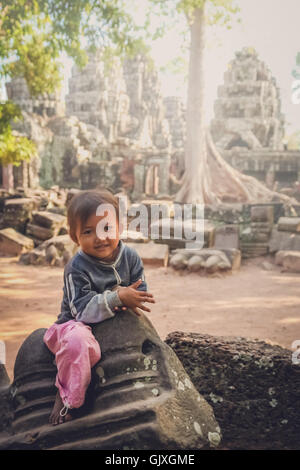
55,417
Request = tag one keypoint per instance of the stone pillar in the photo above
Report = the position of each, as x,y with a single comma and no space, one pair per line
270,177
139,181
7,177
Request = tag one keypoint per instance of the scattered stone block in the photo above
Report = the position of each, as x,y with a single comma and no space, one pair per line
194,264
289,260
284,241
212,263
49,220
179,261
45,225
55,251
253,387
38,233
51,254
289,224
279,257
14,243
261,227
152,253
262,214
174,233
61,243
252,250
140,397
227,236
17,213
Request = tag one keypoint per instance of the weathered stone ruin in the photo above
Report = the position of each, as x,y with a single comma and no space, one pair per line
253,387
118,131
49,104
140,397
113,133
33,227
248,127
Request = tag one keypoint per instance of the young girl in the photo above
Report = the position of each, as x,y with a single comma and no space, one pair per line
103,278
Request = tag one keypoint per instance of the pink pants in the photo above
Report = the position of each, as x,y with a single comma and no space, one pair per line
76,352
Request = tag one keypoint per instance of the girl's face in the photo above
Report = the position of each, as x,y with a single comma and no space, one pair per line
99,236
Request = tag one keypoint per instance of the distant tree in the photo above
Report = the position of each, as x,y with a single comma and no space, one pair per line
14,148
208,178
33,33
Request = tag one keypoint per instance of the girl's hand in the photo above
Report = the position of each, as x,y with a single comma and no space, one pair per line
133,298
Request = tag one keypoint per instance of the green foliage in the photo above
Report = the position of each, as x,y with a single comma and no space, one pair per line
34,32
14,148
218,11
36,65
176,66
9,111
32,35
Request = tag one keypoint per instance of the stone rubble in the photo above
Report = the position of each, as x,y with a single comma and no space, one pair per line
253,387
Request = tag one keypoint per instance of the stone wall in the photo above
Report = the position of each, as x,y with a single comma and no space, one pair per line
248,108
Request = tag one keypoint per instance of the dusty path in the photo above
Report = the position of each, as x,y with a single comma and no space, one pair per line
252,302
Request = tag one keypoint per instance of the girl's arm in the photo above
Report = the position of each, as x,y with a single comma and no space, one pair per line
137,271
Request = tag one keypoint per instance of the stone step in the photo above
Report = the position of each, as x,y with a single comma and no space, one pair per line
14,243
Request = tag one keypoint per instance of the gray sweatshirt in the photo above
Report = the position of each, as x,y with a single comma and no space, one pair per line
88,284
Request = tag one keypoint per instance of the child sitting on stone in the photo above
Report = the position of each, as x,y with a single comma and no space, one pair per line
103,278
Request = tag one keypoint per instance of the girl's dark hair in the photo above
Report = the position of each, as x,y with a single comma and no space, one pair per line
84,204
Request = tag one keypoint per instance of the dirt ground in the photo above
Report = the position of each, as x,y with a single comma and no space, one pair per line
252,302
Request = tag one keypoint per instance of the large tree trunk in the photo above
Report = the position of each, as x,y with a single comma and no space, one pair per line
196,182
208,178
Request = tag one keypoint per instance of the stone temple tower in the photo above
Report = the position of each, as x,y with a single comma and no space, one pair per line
248,107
